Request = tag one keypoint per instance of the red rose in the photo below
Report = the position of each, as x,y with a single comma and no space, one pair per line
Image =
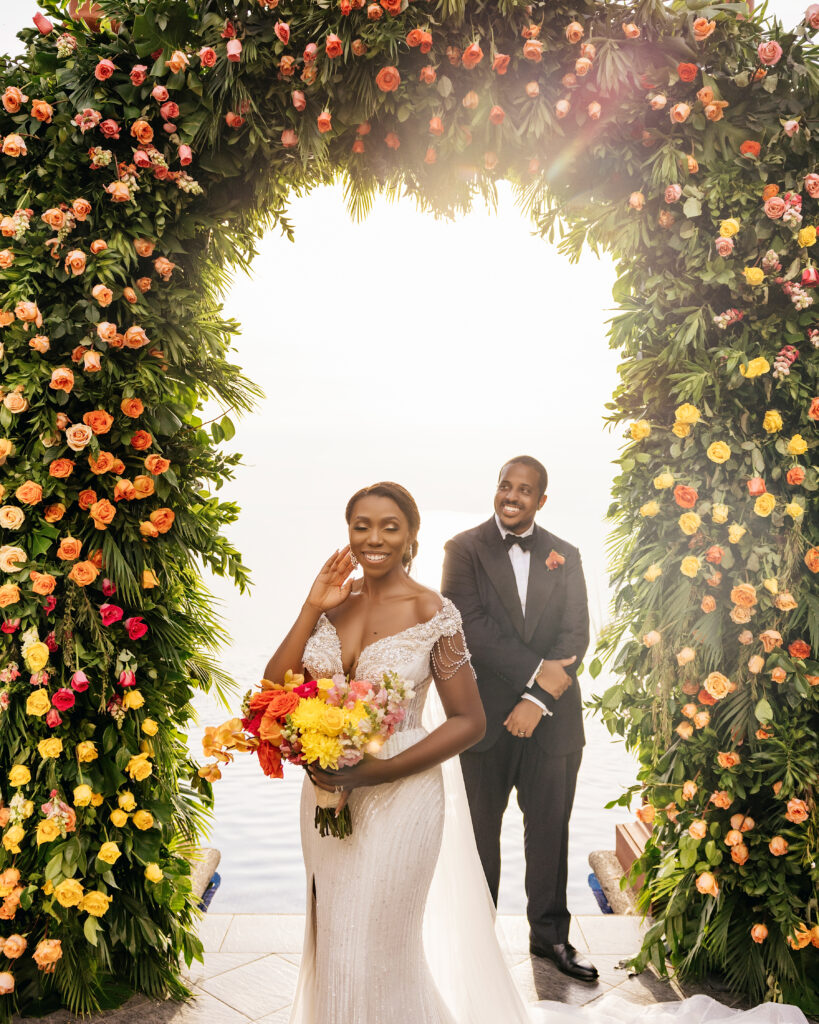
127,678
714,554
110,129
104,69
795,475
333,46
472,56
798,649
110,613
414,37
756,486
136,627
53,719
704,697
687,72
388,79
500,65
686,497
749,148
63,700
270,759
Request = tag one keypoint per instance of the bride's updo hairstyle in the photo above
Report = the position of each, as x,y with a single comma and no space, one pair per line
404,500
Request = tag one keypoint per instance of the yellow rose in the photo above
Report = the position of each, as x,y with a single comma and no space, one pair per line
68,892
771,585
719,513
728,228
132,700
96,799
149,727
119,818
687,413
36,656
95,903
807,237
755,368
38,703
718,452
640,430
47,831
754,276
764,505
139,767
154,873
82,795
681,429
332,721
19,775
143,820
690,566
736,533
28,808
794,509
772,422
11,840
663,481
126,800
652,573
797,445
650,509
109,853
717,685
149,579
51,747
689,523
87,751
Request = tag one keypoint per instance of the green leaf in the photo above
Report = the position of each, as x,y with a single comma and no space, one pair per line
763,711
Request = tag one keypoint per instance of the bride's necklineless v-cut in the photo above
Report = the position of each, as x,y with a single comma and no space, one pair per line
379,640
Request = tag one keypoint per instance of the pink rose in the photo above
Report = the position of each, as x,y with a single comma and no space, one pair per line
299,100
109,588
139,73
10,626
769,53
79,681
44,26
289,138
234,120
812,180
160,93
724,246
53,718
169,110
110,613
790,128
136,627
234,50
812,16
282,30
775,207
673,193
208,56
104,69
63,700
310,52
141,159
185,155
127,678
110,129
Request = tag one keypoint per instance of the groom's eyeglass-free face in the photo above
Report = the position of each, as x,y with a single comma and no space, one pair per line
518,497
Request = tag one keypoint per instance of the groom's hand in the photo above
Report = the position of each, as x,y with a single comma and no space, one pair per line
553,677
523,718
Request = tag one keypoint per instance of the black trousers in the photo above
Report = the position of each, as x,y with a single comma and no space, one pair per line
545,791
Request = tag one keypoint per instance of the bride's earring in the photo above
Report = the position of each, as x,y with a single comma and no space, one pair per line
353,560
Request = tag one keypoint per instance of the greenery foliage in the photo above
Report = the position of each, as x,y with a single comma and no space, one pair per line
657,132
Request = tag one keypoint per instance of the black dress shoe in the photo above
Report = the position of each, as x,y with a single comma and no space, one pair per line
566,958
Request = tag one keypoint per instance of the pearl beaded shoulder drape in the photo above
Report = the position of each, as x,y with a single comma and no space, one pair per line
400,923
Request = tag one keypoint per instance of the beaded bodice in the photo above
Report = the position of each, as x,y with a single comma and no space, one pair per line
413,653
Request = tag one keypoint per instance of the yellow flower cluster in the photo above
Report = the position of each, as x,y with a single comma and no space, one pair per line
316,746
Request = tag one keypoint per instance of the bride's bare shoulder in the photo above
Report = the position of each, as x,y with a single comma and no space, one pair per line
427,603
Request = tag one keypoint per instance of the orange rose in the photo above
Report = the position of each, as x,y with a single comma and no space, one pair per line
686,497
29,493
703,28
141,440
779,675
75,262
98,420
744,595
9,594
54,218
533,50
148,530
103,296
13,99
164,268
388,79
106,331
162,519
778,846
129,295
83,573
721,799
799,649
144,247
86,498
124,490
135,337
81,208
156,464
102,512
574,31
54,513
698,829
95,558
144,284
769,192
15,402
813,409
132,407
69,549
103,463
708,604
715,111
797,811
143,486
118,467
40,343
630,30
727,760
812,559
143,132
43,582
770,638
739,853
98,246
795,476
472,56
61,468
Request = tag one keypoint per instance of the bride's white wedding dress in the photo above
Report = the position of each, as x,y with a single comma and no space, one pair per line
400,923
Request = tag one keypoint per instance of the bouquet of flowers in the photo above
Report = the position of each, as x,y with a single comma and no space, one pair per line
329,722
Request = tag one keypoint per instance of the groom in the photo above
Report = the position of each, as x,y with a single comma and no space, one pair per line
522,596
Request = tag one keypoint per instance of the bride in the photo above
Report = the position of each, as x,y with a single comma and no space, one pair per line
400,922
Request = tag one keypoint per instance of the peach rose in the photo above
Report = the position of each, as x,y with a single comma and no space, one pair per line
708,604
707,884
80,208
797,811
102,295
778,846
156,464
574,31
29,493
15,402
102,512
43,582
143,486
69,549
135,337
142,132
12,517
40,343
785,601
102,463
98,246
728,759
14,145
717,685
54,513
701,719
144,247
533,50
702,28
630,30
689,790
98,420
759,933
6,259
685,730
83,573
28,313
124,490
720,798
54,217
679,113
13,99
144,284
164,268
755,664
9,594
770,638
141,440
698,829
388,79
47,953
119,191
61,468
86,498
132,407
739,853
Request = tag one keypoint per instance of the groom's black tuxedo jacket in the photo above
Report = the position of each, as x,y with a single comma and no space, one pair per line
506,648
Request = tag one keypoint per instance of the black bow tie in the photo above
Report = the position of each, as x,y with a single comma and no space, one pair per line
526,543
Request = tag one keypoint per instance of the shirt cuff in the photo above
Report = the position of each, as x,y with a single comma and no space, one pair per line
534,700
532,678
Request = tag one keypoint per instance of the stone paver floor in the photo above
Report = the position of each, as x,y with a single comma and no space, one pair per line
252,961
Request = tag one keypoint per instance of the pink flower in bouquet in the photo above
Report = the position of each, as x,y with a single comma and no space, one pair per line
790,128
53,719
104,69
110,613
160,93
208,56
79,681
724,246
797,811
769,52
185,155
136,627
127,678
109,588
169,110
282,30
44,26
309,688
10,626
139,73
51,642
50,604
63,699
234,50
234,120
110,128
812,16
360,689
812,180
775,207
673,193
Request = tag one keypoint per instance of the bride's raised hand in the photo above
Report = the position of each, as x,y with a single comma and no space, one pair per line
333,584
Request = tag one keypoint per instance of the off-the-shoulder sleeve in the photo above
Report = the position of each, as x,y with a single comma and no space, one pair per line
449,652
322,652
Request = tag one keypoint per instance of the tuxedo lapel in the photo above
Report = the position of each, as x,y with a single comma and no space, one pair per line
541,583
498,567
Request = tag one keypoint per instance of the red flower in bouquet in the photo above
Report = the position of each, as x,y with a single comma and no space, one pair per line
270,759
110,613
136,627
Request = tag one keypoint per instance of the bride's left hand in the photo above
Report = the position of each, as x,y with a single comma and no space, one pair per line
373,771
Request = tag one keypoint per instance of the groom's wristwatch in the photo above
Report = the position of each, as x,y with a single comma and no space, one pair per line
531,696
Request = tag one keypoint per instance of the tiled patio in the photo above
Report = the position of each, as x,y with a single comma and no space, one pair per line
251,965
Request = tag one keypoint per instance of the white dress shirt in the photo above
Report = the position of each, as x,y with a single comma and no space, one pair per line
521,560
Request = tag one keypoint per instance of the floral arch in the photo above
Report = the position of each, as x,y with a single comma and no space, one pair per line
146,144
